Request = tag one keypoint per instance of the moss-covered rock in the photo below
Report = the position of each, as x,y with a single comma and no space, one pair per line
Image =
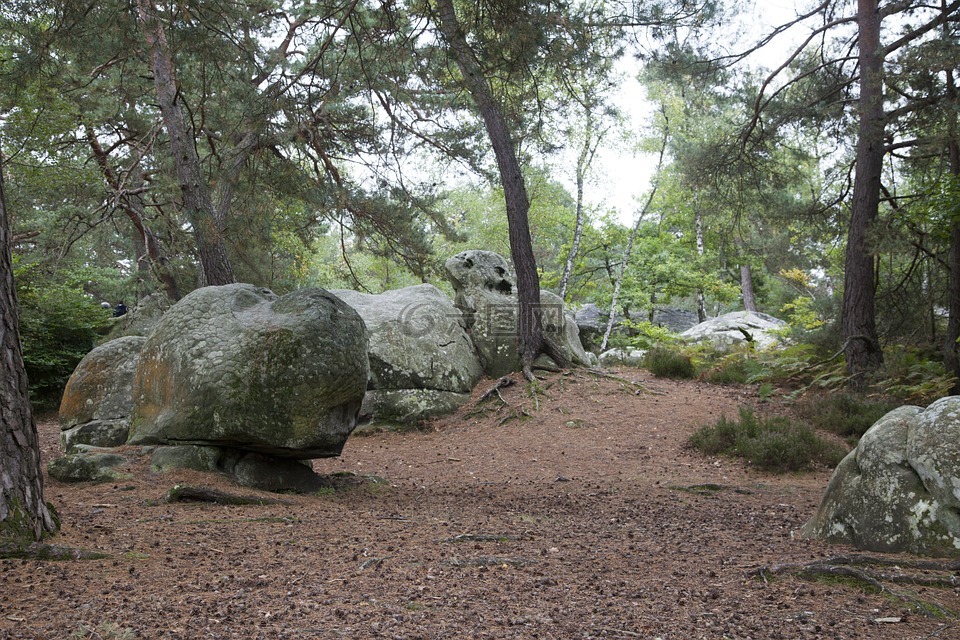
98,399
417,340
86,467
238,367
899,490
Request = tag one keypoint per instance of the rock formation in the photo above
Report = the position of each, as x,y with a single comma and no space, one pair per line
422,362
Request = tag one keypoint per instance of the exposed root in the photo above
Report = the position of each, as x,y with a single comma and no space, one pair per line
865,571
638,387
43,551
505,381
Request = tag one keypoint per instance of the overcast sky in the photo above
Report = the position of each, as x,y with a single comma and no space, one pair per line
622,177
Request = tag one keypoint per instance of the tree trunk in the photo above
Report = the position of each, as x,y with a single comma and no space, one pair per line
583,164
861,343
24,516
698,230
197,201
612,317
530,339
951,350
746,288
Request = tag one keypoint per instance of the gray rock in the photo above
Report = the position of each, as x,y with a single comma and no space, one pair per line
86,467
410,406
246,468
185,456
676,320
591,324
237,367
622,358
486,293
899,490
272,474
417,340
736,327
98,399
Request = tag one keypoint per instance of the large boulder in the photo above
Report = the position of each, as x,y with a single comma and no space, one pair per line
98,399
486,293
417,339
736,328
237,367
422,362
899,490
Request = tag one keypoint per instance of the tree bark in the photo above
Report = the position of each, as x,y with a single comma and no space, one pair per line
861,343
24,516
698,230
530,338
746,288
197,201
951,347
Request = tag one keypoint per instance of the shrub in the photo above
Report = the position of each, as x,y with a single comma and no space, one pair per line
844,413
775,444
668,363
58,325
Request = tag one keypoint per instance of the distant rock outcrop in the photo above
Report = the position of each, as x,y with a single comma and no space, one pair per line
899,490
736,327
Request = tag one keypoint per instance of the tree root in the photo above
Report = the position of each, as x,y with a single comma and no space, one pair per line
505,381
638,387
44,551
864,570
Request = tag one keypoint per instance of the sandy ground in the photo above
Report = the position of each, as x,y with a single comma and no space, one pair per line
577,513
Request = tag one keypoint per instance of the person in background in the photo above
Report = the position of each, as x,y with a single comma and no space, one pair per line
119,310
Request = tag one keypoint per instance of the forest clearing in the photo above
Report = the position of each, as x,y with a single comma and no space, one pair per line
588,517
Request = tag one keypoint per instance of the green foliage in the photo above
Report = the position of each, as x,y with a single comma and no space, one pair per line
914,376
59,324
646,335
775,444
105,630
845,413
669,363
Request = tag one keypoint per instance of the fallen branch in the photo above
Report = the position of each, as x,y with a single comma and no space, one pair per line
43,551
189,493
610,376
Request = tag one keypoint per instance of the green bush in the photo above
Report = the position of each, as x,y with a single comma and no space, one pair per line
844,413
59,324
668,363
775,444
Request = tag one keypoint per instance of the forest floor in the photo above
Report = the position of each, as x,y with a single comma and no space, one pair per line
578,513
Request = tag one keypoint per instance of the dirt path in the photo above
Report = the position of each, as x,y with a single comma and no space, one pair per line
587,518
